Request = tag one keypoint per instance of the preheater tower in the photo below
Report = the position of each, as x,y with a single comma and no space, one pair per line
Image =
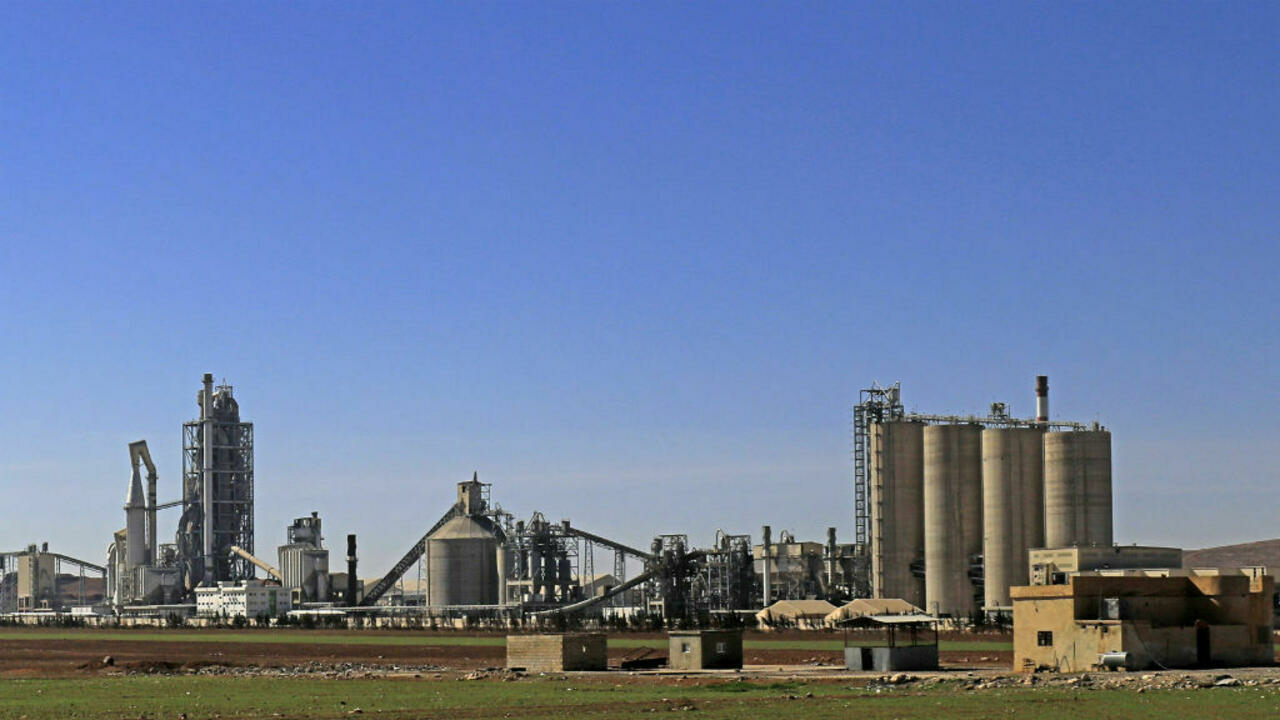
217,490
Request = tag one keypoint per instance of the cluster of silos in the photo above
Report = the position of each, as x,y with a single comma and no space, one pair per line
950,493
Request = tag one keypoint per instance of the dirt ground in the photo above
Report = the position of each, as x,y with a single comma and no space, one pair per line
39,654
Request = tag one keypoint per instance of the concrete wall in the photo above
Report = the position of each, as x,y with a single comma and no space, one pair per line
557,653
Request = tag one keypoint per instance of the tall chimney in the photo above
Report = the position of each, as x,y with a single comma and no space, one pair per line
831,560
767,534
1042,398
352,583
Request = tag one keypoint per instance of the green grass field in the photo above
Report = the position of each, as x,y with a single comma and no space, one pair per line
265,697
821,642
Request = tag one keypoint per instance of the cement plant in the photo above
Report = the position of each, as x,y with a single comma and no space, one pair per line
959,524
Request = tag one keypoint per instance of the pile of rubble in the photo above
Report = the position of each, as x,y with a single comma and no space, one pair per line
1167,680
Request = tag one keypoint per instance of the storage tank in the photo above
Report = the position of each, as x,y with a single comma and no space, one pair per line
1077,488
462,562
952,515
896,464
1012,508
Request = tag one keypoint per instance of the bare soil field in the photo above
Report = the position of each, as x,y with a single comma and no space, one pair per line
38,652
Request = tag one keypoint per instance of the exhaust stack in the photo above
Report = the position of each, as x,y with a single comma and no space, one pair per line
1042,398
353,585
766,532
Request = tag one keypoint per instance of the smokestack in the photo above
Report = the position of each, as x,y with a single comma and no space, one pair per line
767,534
1042,398
831,560
352,583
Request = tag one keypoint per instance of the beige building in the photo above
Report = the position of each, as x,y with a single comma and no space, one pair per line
1145,618
1051,566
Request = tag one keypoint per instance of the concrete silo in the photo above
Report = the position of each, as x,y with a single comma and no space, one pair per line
952,515
462,562
465,553
1012,507
1077,488
897,488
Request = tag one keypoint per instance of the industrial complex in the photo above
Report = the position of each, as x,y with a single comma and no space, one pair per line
957,520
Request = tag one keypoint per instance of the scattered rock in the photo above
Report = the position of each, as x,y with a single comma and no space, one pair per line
1227,681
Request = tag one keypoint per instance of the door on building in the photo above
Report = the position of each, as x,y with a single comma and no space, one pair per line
1202,643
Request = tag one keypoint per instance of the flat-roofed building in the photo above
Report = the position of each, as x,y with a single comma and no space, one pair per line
1145,618
1050,566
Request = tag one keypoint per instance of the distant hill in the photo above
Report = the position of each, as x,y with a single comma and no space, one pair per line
1263,552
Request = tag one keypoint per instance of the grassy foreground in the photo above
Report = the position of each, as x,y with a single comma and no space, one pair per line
358,637
283,697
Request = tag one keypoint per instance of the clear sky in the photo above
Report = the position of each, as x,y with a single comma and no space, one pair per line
631,261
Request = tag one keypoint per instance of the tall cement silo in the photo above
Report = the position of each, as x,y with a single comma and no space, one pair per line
1012,508
462,562
952,515
1077,488
897,519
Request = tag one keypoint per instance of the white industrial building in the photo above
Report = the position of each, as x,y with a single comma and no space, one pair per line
249,599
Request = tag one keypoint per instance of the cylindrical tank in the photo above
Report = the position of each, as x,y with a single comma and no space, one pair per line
462,563
1012,511
1077,488
896,464
952,515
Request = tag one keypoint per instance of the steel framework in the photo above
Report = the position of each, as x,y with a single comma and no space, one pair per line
230,484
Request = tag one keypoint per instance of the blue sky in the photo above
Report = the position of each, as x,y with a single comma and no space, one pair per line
631,261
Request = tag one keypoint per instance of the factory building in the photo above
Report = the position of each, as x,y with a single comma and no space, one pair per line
1053,566
947,507
248,599
37,579
1137,619
304,562
789,569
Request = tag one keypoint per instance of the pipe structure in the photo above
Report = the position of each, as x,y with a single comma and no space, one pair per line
135,511
766,533
206,480
266,567
138,453
1042,398
831,560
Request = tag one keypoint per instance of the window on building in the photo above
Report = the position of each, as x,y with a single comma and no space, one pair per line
684,647
1044,638
722,648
